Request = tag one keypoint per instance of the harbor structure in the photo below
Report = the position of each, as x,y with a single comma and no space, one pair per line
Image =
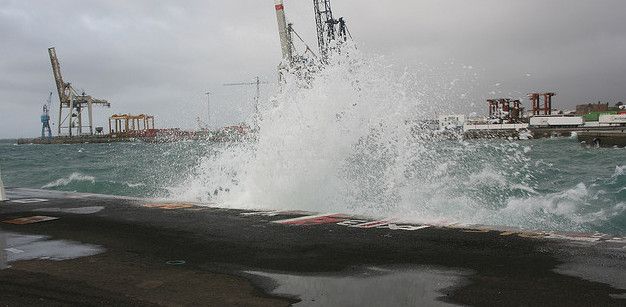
45,118
541,106
506,119
75,122
72,105
120,124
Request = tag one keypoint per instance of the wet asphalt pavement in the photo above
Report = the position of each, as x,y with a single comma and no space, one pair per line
83,249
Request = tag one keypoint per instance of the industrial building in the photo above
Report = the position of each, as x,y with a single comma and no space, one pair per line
583,109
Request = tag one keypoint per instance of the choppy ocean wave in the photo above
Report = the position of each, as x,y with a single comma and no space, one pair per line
73,178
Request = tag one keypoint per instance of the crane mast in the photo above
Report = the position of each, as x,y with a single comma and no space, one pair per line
284,31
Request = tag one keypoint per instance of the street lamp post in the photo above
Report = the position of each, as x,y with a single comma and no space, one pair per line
208,103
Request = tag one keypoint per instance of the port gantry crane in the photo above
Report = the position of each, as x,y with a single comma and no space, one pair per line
75,104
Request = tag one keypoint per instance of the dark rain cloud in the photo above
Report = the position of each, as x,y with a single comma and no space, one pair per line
160,56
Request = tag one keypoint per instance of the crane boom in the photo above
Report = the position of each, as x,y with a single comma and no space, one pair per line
58,78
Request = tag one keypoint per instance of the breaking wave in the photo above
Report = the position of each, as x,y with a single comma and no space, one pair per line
354,141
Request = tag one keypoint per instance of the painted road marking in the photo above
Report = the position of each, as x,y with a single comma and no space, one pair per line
261,213
29,200
314,219
344,220
382,224
363,223
392,226
169,206
275,213
31,220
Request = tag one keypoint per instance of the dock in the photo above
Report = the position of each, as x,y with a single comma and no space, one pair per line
70,248
153,136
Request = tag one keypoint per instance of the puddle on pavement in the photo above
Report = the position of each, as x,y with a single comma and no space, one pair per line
19,247
373,286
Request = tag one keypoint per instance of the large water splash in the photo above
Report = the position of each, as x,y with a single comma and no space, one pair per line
351,141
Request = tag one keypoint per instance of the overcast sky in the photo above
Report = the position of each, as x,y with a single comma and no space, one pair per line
159,57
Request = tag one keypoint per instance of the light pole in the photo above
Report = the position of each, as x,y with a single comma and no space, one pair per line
208,104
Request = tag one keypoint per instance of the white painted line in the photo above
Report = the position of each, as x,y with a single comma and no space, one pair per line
29,200
261,213
14,250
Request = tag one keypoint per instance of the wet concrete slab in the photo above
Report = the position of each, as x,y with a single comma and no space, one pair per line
151,252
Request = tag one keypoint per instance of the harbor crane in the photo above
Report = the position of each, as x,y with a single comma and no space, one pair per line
71,104
45,118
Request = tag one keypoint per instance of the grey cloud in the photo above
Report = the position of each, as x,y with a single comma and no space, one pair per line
160,56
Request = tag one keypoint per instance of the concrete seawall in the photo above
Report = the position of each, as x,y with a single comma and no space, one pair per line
603,138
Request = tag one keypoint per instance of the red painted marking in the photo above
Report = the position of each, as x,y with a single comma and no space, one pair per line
31,220
280,7
314,220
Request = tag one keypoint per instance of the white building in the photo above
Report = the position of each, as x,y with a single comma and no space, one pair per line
450,122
